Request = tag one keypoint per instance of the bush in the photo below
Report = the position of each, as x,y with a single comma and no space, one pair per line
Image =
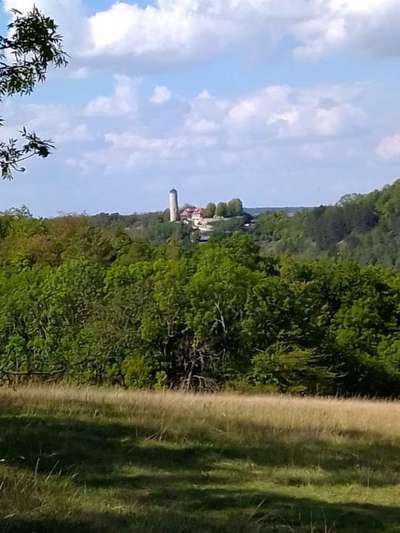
291,369
136,372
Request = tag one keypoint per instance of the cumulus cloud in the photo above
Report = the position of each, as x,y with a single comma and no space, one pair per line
389,148
121,102
201,125
281,112
271,140
173,32
208,132
160,95
61,123
170,33
364,26
266,140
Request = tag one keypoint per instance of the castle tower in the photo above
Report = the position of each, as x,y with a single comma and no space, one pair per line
173,205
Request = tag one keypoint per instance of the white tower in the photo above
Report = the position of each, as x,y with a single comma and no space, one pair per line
173,205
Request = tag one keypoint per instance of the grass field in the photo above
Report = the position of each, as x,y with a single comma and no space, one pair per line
107,461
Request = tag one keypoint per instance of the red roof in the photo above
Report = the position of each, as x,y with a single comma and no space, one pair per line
191,211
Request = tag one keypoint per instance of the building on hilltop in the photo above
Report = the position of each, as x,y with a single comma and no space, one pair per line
194,216
201,224
191,213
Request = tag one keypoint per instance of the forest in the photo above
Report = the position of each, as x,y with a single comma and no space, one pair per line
360,227
134,302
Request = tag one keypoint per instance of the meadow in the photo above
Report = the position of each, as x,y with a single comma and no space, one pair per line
105,460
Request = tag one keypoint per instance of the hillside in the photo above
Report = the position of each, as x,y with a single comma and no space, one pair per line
104,460
255,211
364,228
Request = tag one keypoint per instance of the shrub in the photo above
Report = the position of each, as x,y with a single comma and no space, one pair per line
136,371
291,369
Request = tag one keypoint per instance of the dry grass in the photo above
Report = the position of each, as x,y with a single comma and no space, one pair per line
115,460
234,415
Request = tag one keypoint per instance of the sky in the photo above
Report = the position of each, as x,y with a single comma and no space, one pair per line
277,102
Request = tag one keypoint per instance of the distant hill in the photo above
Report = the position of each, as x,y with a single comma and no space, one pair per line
361,227
254,211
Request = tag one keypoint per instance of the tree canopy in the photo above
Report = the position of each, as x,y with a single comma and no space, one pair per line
364,228
209,210
88,300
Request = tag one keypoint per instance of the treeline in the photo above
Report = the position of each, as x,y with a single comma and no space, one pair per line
364,228
86,304
233,208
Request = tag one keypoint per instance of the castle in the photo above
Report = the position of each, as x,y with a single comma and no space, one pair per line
193,214
188,215
206,221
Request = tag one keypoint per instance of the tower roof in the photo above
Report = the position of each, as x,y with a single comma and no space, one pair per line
173,190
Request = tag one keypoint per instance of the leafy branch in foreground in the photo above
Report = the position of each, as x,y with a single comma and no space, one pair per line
12,154
32,45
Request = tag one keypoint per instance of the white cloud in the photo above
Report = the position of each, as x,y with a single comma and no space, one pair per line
282,112
179,32
272,141
204,94
160,95
389,147
266,138
217,134
121,102
162,146
155,36
76,134
363,26
359,6
80,73
248,134
201,126
60,123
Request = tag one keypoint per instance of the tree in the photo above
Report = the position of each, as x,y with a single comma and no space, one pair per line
32,45
209,211
221,210
270,226
235,208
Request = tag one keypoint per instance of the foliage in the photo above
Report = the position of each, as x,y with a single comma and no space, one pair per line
292,369
234,208
271,226
209,211
32,45
221,209
365,228
91,303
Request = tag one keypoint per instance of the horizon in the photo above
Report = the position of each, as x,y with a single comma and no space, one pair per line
188,203
278,104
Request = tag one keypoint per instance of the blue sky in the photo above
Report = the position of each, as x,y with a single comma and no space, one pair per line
279,102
